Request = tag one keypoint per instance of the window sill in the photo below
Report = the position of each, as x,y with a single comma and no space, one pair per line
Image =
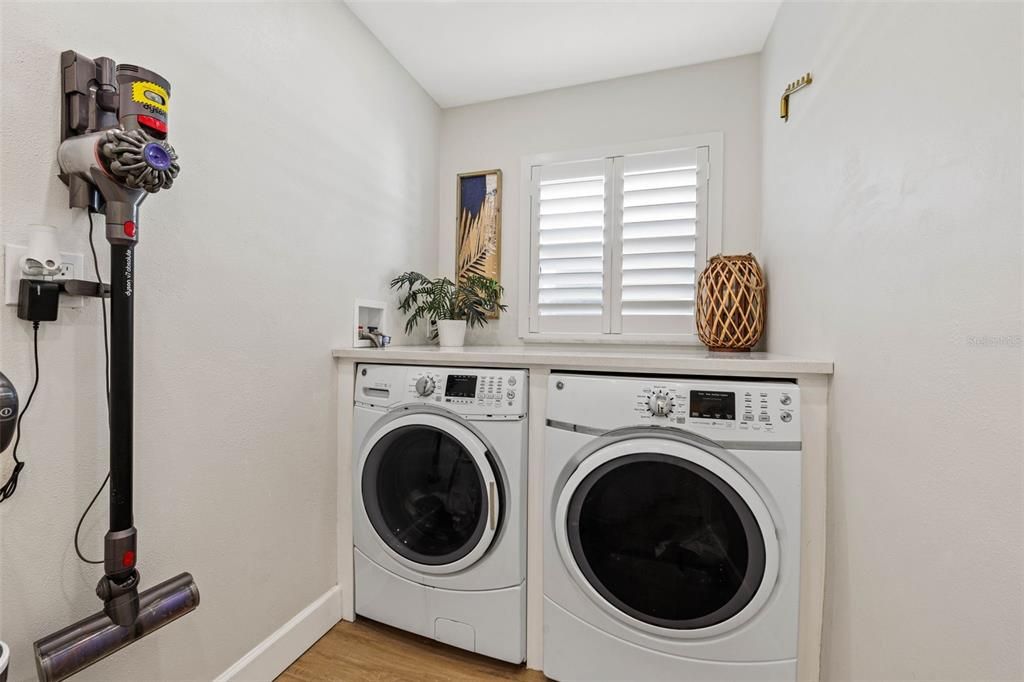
616,339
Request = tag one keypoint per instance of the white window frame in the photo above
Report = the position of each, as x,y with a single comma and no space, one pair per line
709,240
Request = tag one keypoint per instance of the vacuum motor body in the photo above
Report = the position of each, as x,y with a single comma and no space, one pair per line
114,149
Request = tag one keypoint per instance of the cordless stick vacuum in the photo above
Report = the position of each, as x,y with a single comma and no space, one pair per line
113,154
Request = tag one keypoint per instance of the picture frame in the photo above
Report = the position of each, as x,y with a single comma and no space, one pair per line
478,225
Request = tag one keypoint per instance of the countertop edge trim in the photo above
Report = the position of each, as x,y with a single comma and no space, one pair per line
613,362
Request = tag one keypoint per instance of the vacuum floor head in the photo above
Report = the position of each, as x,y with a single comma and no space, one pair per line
76,647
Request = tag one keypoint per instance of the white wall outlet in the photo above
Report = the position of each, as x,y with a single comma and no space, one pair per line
72,267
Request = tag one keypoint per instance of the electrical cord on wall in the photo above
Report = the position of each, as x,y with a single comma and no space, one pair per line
8,488
106,376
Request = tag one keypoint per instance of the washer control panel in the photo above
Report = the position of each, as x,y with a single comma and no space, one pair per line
467,391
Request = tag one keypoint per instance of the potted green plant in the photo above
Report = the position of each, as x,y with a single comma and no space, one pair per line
452,305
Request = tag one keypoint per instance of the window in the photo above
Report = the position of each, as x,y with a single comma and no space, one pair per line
617,238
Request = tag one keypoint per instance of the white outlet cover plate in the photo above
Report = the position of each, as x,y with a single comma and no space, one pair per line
13,254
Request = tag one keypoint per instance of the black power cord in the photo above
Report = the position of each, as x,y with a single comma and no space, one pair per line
106,376
8,488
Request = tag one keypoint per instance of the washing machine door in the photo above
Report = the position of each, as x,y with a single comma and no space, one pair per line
430,490
667,537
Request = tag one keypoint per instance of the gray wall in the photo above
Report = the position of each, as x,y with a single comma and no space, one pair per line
719,96
309,163
892,244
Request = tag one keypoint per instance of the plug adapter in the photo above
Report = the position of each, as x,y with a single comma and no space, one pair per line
38,300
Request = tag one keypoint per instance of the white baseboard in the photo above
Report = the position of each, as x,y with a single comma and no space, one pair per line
269,658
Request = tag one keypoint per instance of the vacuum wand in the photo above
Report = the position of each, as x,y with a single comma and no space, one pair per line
118,588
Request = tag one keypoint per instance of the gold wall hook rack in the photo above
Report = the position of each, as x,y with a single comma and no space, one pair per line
799,84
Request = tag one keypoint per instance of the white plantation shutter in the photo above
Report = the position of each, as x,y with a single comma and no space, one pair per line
663,212
569,228
617,242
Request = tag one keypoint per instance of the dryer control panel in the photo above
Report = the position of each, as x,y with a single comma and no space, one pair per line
719,409
471,392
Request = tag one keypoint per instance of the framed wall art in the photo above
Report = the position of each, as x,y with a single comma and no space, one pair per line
478,228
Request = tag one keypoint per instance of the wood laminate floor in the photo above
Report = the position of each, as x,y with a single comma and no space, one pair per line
366,650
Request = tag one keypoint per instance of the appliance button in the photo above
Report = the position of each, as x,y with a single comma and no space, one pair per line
511,395
763,417
787,417
785,400
748,417
511,381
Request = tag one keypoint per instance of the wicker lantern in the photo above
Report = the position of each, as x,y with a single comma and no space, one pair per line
731,303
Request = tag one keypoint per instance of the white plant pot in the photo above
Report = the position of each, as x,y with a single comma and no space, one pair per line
451,333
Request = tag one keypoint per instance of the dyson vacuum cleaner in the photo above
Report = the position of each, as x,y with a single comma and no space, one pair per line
113,154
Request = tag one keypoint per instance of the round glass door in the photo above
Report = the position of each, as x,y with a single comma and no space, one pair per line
663,539
429,491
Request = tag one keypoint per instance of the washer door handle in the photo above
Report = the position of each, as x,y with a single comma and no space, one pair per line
490,505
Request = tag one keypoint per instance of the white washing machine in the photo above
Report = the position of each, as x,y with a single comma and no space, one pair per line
440,504
672,529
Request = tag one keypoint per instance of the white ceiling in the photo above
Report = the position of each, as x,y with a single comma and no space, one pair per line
465,51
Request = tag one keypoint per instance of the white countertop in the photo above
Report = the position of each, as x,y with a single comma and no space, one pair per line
674,361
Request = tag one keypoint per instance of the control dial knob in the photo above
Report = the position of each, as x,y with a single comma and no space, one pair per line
425,386
660,404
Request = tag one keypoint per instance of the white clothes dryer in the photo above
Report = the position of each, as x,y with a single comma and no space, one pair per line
672,529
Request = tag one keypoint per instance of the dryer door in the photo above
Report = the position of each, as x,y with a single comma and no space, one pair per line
430,492
667,537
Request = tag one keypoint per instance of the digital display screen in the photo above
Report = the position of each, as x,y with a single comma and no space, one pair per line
460,386
712,405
